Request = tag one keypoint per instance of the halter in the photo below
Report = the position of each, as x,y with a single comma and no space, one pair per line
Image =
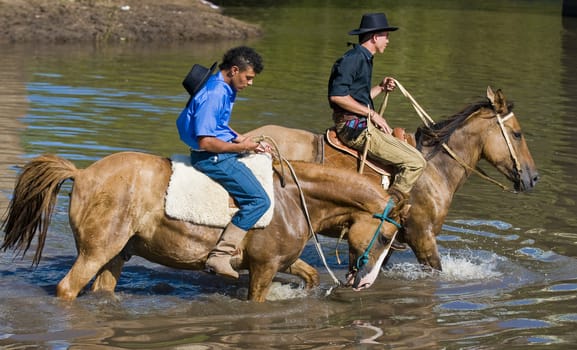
501,121
364,259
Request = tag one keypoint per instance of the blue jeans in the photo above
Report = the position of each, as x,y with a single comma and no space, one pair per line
239,181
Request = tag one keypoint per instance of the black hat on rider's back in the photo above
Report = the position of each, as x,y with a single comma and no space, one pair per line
196,78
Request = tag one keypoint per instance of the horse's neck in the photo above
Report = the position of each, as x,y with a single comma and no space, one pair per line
467,150
339,194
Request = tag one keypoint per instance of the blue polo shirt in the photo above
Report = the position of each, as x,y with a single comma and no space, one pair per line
351,75
208,113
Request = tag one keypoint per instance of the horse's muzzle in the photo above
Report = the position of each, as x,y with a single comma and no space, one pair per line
527,181
364,277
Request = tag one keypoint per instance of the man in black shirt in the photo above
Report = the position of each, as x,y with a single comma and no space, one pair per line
351,97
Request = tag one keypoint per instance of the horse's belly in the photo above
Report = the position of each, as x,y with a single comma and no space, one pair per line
175,244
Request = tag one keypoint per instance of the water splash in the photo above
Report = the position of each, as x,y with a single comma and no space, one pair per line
283,291
460,266
279,291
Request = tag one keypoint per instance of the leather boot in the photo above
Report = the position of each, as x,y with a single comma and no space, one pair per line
219,258
401,200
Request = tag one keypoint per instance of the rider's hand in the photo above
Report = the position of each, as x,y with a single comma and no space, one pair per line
380,123
263,147
248,145
388,84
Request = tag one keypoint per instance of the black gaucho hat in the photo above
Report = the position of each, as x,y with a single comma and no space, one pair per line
373,22
196,78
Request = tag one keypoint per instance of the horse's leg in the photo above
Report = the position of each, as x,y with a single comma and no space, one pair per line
96,247
84,268
108,276
305,271
424,245
261,277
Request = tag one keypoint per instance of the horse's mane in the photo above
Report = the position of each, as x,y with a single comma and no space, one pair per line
439,133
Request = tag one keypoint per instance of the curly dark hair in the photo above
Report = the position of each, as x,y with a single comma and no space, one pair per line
242,57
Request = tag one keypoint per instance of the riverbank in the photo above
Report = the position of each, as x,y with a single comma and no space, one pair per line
99,21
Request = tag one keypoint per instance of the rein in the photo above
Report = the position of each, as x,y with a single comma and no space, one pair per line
384,216
259,139
303,202
429,122
318,247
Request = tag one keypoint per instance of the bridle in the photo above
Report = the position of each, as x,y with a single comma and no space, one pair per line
501,121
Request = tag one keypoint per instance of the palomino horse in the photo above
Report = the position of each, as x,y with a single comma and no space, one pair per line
117,210
484,130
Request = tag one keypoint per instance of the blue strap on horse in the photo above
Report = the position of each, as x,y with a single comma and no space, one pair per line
364,259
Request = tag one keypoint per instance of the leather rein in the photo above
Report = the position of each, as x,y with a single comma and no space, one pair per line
429,122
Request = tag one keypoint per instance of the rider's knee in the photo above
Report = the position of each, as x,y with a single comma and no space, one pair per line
418,163
262,203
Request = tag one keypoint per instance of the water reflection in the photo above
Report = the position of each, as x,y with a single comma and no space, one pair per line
13,106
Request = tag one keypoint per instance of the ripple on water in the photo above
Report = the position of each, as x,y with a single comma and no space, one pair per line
538,254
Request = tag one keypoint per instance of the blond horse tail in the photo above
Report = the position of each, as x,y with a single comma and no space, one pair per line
33,202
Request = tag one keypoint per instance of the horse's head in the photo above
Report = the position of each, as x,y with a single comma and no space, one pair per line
369,245
505,147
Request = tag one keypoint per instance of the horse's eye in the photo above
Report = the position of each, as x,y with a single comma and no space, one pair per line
517,135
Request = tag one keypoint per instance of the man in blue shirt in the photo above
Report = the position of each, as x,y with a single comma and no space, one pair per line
350,94
215,148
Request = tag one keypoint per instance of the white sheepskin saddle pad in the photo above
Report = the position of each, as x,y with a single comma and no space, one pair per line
194,197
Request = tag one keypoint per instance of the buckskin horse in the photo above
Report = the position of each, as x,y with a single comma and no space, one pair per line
484,130
116,210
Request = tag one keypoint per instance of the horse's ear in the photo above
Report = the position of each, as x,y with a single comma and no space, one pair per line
490,95
497,100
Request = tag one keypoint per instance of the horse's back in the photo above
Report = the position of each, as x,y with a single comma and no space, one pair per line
120,184
293,144
122,160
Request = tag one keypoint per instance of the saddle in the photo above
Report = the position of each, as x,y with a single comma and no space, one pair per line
333,140
194,197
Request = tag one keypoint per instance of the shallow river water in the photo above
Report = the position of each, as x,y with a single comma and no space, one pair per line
509,278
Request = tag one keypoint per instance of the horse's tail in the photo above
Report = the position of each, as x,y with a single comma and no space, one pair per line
33,202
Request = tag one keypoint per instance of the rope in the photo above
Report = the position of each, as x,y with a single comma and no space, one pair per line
384,103
367,142
259,139
303,203
311,229
429,122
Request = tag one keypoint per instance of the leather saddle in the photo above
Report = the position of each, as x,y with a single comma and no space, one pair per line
332,139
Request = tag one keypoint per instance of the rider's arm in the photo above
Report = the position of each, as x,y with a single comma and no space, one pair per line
348,103
215,145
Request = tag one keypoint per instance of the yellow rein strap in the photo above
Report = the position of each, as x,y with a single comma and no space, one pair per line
429,122
369,126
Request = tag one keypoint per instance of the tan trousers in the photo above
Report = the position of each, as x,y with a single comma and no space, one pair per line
408,162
